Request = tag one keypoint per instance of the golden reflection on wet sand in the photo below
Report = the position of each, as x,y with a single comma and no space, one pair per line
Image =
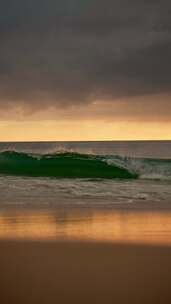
95,225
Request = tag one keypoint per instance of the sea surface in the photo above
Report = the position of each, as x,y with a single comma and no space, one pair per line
131,174
115,190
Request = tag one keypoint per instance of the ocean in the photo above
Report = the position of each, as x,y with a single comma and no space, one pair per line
103,191
125,174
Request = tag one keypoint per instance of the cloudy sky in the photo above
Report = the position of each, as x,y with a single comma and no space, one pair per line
85,69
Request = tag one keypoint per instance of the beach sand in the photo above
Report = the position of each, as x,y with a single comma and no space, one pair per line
33,272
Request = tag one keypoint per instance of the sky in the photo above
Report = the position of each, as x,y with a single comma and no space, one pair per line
85,69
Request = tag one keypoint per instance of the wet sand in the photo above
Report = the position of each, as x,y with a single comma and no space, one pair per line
45,272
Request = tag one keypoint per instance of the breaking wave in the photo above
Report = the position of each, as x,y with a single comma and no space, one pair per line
76,165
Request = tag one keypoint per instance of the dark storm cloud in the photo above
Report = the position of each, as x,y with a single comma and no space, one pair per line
71,52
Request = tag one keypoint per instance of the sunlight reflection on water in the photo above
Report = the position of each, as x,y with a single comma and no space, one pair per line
87,225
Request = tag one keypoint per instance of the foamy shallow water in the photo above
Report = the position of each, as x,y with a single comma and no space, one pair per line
41,192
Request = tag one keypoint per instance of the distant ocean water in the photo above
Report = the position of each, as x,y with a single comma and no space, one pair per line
130,174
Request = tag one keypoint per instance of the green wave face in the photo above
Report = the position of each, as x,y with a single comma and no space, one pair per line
61,165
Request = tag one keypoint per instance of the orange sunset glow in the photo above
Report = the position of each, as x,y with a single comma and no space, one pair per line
79,130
